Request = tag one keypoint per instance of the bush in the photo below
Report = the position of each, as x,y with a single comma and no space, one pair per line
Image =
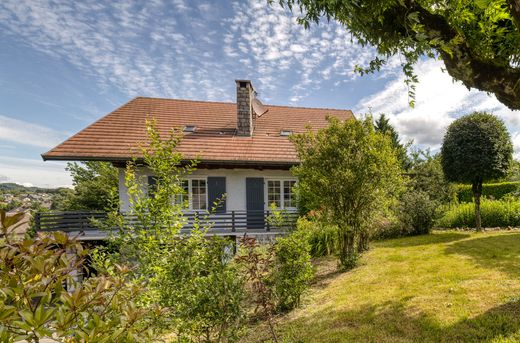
292,269
202,288
323,238
40,295
495,213
416,213
490,190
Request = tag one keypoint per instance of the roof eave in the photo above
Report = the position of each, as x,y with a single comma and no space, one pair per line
201,162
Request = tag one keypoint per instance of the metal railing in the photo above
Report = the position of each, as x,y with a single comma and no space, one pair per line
220,223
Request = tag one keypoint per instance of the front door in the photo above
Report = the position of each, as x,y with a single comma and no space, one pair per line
255,202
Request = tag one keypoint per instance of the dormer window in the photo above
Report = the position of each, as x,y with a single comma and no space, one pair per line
189,128
286,133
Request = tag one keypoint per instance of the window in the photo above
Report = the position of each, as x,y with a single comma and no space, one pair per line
285,133
273,193
280,193
195,191
198,194
288,195
189,128
181,199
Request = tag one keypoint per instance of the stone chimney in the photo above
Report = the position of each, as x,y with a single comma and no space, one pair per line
245,115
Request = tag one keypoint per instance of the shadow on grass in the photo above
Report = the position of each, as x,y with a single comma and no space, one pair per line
495,252
391,321
434,238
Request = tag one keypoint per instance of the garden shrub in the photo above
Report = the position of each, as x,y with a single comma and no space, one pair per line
495,213
323,238
489,190
292,269
416,213
203,289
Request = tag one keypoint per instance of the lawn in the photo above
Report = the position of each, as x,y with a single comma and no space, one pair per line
444,287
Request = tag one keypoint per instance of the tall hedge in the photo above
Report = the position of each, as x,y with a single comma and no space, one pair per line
489,190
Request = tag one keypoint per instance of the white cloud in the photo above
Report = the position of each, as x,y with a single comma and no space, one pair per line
439,100
283,51
35,172
138,48
22,132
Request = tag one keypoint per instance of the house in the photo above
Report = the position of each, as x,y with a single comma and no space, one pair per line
243,149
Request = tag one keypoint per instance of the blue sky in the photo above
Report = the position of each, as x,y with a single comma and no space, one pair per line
64,64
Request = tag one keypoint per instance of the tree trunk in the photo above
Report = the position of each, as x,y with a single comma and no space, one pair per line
477,192
514,8
347,253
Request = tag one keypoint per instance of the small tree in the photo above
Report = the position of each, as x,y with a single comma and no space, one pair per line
476,148
350,172
189,275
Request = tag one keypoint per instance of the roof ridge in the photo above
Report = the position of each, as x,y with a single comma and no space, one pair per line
233,103
189,100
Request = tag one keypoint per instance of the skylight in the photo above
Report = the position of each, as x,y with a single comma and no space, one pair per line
189,128
285,133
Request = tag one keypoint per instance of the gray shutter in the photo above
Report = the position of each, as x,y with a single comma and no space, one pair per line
152,184
216,191
255,202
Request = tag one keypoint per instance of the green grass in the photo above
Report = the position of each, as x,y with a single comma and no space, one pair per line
445,287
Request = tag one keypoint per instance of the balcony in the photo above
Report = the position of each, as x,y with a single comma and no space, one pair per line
231,223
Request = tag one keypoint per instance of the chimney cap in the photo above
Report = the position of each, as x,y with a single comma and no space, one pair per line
244,83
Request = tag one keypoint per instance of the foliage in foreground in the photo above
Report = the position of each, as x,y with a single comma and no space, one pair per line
476,148
351,174
40,295
495,213
478,41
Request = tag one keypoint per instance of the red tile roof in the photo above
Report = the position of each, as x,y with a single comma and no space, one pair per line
116,136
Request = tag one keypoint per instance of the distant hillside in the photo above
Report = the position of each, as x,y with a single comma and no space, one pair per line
11,187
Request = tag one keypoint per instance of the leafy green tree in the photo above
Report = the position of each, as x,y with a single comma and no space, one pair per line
479,41
95,187
191,276
382,125
350,172
476,148
426,175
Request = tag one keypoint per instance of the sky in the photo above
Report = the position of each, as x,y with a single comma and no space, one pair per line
64,64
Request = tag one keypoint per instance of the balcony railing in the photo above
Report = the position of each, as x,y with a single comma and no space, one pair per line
232,222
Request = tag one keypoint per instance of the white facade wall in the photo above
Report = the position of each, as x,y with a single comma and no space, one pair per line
235,183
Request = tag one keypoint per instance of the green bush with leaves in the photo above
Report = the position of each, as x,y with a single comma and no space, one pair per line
489,190
495,213
292,269
202,287
323,238
40,295
351,173
416,212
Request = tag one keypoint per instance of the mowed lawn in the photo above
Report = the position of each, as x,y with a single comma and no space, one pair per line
444,287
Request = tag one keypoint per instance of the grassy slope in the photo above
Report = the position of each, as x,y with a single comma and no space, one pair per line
445,287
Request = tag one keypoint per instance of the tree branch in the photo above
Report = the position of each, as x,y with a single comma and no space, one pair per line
462,64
